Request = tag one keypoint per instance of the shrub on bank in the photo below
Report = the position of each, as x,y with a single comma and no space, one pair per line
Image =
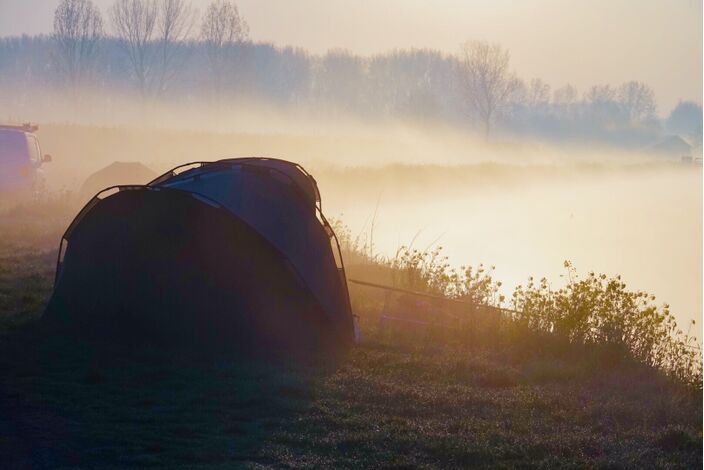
596,313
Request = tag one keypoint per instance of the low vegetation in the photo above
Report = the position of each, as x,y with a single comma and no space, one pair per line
592,314
562,380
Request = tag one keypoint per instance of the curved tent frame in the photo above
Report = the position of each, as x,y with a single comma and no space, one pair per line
298,178
272,164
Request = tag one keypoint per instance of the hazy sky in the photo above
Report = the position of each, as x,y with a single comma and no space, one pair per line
581,42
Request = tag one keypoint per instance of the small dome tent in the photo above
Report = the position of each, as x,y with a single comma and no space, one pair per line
233,253
115,174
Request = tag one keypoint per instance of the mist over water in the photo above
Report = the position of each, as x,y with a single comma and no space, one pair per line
644,224
522,206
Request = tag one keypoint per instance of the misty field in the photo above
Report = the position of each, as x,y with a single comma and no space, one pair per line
524,207
398,400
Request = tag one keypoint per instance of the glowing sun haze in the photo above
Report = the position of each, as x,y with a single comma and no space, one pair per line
582,42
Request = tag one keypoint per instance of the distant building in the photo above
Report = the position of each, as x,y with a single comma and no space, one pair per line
672,146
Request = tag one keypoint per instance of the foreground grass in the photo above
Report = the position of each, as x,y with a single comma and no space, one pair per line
384,407
396,401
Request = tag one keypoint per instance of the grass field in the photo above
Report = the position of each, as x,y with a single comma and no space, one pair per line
396,400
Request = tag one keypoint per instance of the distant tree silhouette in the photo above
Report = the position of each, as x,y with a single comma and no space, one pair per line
600,94
565,96
686,119
538,93
78,28
474,89
637,100
340,80
601,109
150,31
176,19
134,22
488,81
223,28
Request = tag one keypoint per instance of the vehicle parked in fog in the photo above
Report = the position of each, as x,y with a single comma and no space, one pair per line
21,160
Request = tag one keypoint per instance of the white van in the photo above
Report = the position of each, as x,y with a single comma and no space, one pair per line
20,160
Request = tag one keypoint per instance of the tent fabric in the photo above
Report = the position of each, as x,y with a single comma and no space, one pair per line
281,202
213,253
304,182
114,174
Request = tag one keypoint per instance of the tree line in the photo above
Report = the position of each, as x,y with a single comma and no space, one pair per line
166,49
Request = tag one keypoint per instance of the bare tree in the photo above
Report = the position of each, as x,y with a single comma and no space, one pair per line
600,94
565,101
565,96
78,27
538,93
637,100
339,77
176,19
488,81
134,22
221,30
151,31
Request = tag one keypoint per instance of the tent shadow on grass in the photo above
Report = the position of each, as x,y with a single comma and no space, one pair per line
66,404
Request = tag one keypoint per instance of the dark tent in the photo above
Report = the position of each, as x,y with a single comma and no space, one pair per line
234,253
115,174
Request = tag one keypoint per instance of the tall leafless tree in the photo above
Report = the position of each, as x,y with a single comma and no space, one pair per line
134,22
221,30
488,81
151,31
176,19
637,100
78,27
